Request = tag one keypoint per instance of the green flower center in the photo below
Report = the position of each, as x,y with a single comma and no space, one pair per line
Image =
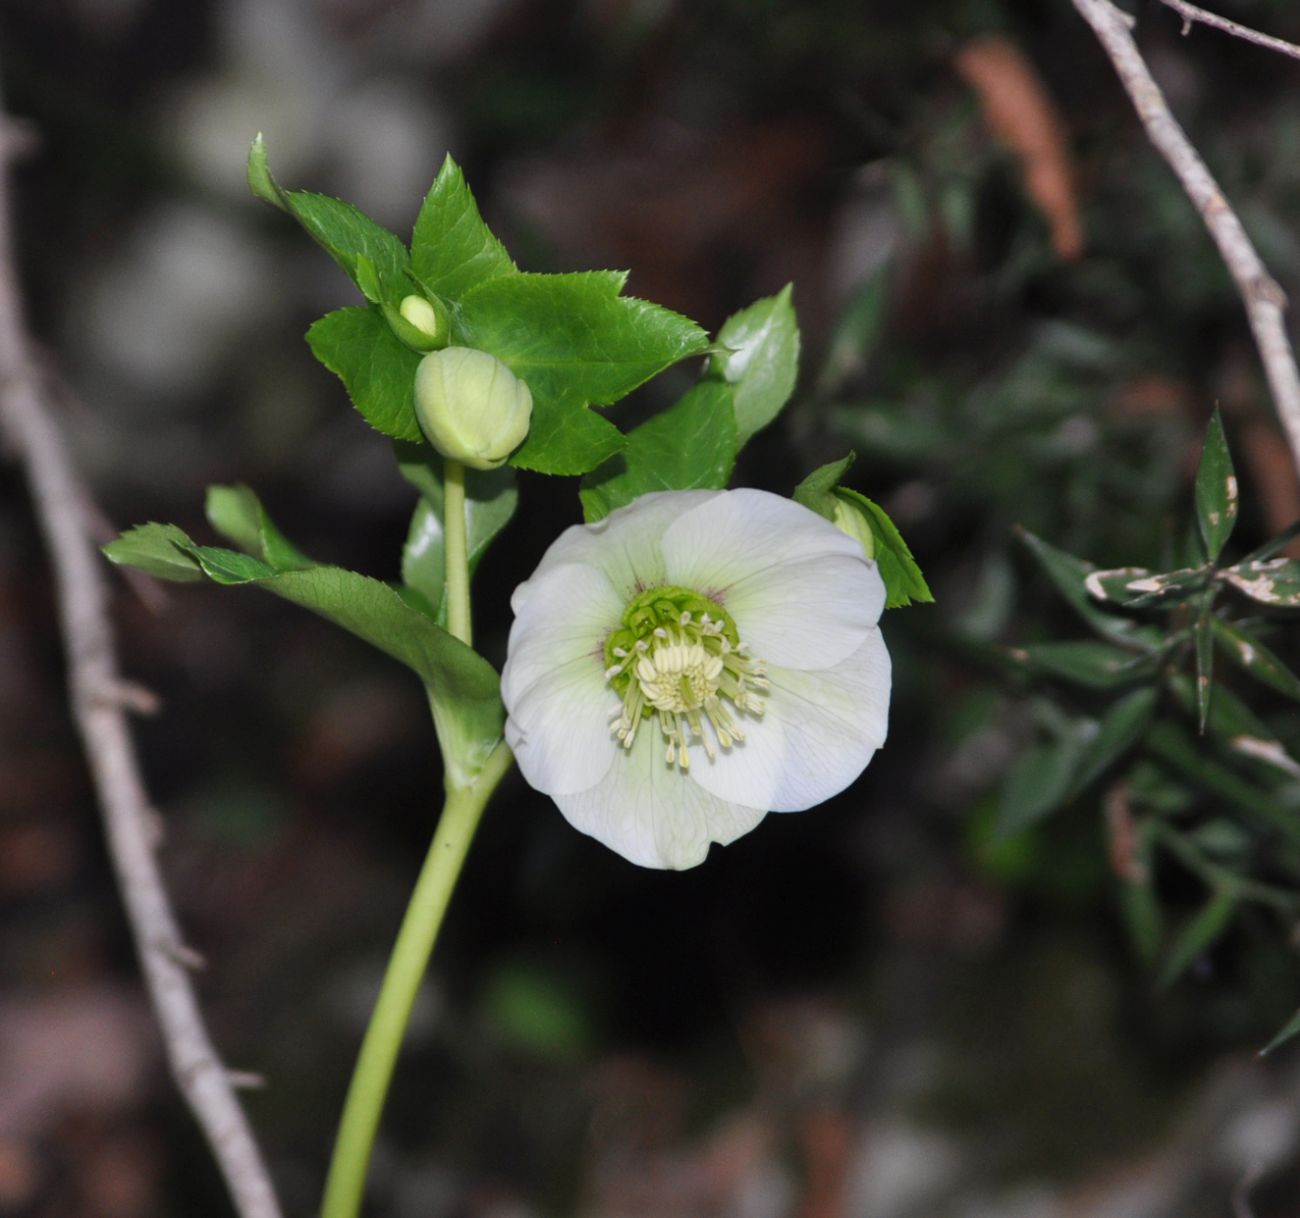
678,656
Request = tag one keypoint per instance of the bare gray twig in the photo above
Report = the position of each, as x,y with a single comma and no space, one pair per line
100,700
1260,293
1192,15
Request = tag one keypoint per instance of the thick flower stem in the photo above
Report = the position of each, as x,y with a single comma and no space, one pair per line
415,941
458,614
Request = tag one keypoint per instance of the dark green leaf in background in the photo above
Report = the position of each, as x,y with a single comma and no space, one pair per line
1216,490
691,446
1070,575
1201,932
1086,662
759,355
1251,654
378,371
1273,581
1121,728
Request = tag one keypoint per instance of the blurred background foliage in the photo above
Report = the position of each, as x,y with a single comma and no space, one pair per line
943,993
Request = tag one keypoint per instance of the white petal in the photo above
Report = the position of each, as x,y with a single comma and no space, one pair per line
752,770
801,592
833,722
553,684
652,814
625,545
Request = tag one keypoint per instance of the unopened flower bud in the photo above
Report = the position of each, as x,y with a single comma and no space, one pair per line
421,314
850,519
471,406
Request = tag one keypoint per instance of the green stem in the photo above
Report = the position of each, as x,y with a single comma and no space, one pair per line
406,967
457,555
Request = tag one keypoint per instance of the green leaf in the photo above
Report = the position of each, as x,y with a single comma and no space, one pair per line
158,550
1070,575
237,513
575,342
1252,655
820,493
759,356
854,336
1039,783
1273,581
1203,636
1121,727
904,582
1086,662
491,497
349,236
452,250
1201,932
817,491
357,345
1175,748
690,446
1216,490
463,687
1137,588
1288,1032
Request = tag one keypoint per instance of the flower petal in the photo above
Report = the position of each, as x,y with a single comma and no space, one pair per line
652,814
625,545
833,722
751,771
554,684
801,592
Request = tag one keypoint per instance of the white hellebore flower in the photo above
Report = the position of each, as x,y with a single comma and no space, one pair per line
691,662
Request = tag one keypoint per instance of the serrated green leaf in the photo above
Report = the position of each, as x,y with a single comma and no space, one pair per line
904,582
1273,581
237,513
491,497
759,356
574,342
452,250
344,232
1201,932
1121,728
817,491
1253,656
1087,662
463,688
1216,490
690,446
357,345
158,550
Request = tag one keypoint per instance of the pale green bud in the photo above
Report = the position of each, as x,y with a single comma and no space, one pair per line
471,406
849,519
421,314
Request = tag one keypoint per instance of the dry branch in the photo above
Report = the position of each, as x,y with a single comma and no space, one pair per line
100,700
1260,293
1192,15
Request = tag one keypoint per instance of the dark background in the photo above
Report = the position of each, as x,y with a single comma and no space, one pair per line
871,1010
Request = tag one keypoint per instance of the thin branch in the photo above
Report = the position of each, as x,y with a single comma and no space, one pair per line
100,700
1260,293
1191,15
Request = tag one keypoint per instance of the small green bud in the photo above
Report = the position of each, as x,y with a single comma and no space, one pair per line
471,406
849,519
421,314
